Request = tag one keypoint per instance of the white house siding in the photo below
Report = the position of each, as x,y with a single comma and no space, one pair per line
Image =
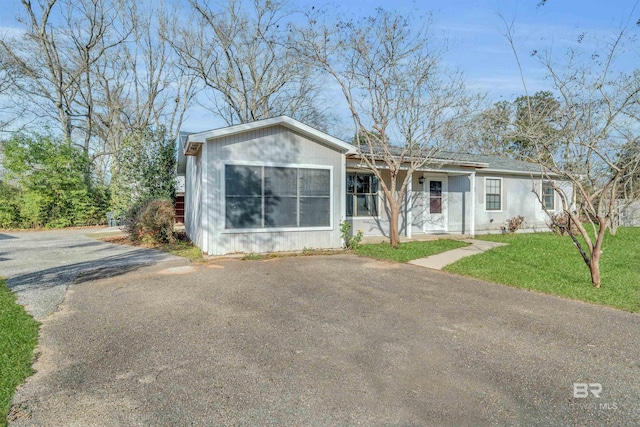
418,204
459,204
193,199
276,146
379,226
518,198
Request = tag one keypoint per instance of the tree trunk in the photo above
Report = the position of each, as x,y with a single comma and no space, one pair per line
394,232
594,267
596,252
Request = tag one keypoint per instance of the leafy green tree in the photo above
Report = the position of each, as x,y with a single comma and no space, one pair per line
9,205
535,118
145,168
508,128
46,185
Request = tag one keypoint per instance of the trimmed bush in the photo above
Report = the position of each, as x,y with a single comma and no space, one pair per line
151,221
513,224
560,223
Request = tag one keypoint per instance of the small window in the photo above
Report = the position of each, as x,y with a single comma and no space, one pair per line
548,196
362,194
493,194
435,197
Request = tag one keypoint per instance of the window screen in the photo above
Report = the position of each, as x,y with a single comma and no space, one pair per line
277,197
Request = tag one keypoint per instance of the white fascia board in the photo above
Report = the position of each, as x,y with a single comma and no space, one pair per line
355,159
536,174
288,122
353,164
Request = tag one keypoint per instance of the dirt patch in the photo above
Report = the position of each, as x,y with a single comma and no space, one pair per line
118,240
381,265
183,269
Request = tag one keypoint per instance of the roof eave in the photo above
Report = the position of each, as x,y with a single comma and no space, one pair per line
435,160
521,172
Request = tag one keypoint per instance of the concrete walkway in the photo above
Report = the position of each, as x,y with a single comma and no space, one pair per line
439,261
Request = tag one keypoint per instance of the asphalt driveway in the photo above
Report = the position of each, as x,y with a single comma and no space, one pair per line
331,340
41,264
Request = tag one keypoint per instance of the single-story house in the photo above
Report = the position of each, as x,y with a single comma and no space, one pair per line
280,185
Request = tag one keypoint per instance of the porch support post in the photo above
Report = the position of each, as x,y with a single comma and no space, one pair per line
409,200
472,227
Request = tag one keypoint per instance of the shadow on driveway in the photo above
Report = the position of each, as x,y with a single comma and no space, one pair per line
80,272
39,265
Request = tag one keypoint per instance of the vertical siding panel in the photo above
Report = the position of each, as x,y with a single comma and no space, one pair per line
274,144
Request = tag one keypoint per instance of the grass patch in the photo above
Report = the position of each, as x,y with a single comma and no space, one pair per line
551,264
408,250
18,338
181,246
305,252
253,257
184,247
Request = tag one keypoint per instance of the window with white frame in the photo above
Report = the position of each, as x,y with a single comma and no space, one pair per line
548,196
362,194
276,197
493,194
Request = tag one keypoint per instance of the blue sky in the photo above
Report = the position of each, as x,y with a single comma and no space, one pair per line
475,31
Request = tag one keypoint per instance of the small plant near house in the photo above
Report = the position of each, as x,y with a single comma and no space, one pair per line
350,241
513,224
560,223
150,222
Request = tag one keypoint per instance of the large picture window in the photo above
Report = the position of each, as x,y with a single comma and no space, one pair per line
548,196
362,194
277,197
493,194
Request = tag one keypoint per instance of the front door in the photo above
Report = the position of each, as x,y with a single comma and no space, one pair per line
436,205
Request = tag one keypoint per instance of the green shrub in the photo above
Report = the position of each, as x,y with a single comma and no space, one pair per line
9,206
350,242
131,219
48,183
150,221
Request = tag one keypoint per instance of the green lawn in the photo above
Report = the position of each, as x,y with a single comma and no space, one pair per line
409,250
18,338
551,264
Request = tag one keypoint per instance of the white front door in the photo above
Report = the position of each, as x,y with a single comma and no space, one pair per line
435,212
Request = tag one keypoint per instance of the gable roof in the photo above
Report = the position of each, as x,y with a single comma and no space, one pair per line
190,143
182,160
195,140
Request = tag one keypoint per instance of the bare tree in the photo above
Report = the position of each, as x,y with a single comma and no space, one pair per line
243,57
139,87
405,105
63,40
582,159
101,70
